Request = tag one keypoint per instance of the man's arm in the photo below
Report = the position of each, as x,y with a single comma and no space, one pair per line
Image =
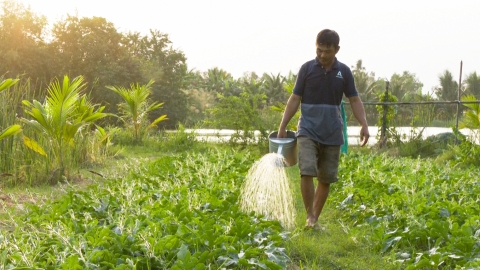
290,110
359,113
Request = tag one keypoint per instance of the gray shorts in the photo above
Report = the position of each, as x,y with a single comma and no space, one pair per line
318,160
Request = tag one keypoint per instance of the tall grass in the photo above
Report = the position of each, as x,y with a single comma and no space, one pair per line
13,157
30,158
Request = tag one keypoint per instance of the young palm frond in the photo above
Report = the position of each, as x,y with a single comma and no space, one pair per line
136,106
471,117
63,114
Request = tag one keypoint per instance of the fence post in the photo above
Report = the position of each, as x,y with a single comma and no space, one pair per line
383,135
458,98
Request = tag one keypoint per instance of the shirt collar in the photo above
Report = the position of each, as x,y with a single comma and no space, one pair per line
334,65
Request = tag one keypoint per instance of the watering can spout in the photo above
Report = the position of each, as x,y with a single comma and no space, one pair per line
280,147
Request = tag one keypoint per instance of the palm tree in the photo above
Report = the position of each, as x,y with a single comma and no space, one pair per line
405,86
369,89
135,108
216,78
472,83
65,113
273,88
447,91
288,85
365,82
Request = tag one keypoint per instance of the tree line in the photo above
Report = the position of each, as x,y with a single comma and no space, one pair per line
30,49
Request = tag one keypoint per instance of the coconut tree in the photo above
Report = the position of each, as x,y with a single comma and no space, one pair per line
216,78
288,85
135,108
273,88
365,82
64,114
447,91
472,82
368,87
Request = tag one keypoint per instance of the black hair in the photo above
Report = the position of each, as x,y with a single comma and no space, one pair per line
328,37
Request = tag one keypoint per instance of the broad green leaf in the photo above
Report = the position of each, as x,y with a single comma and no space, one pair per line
10,131
33,145
72,263
8,83
183,252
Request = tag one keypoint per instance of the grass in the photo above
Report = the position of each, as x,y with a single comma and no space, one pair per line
338,247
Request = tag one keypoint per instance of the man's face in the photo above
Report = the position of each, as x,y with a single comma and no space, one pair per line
326,54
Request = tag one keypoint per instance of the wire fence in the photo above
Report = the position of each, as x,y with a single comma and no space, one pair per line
411,114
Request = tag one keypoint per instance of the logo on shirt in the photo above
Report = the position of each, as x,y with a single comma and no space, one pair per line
339,75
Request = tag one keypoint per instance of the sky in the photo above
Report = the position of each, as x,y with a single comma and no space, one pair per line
277,36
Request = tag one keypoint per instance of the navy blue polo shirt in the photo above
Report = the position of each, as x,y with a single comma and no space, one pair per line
322,92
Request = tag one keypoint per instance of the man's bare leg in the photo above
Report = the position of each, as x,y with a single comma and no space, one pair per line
321,195
308,195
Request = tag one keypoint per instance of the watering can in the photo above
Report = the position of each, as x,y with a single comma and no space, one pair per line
287,147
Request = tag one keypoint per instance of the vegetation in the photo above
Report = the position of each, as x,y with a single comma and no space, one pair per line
14,129
135,109
94,49
167,200
395,215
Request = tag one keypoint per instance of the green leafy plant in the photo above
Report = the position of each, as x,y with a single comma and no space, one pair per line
135,108
390,114
471,116
244,119
65,114
176,212
425,214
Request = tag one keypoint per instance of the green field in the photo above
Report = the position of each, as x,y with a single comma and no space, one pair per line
178,210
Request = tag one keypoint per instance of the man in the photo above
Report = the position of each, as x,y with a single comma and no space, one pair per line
320,86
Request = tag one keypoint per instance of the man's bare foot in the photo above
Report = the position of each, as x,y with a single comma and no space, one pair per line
309,224
313,226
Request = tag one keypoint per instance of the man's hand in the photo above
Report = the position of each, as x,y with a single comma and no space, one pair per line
282,133
364,135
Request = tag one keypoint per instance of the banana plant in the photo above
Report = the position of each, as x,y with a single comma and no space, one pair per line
63,115
136,106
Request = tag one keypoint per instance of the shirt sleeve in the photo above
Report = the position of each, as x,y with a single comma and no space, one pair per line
350,89
300,82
